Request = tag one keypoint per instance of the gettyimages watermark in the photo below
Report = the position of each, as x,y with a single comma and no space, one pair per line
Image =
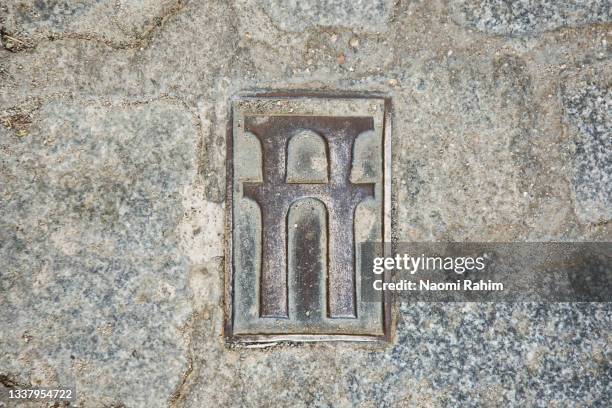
486,272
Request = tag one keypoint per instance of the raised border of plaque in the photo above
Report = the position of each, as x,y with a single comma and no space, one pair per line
259,159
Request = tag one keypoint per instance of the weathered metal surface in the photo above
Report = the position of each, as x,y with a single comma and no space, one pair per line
340,197
300,171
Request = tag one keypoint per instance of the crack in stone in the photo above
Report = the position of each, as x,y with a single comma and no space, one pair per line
9,382
142,40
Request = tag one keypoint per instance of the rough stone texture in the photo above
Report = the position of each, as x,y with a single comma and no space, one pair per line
112,155
296,15
529,16
115,22
589,111
91,265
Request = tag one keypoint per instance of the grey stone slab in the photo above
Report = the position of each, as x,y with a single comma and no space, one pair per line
443,355
90,199
362,15
119,23
589,113
524,17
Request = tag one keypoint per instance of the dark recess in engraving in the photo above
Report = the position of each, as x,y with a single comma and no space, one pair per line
307,263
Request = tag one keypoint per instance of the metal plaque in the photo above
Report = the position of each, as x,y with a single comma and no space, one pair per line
308,181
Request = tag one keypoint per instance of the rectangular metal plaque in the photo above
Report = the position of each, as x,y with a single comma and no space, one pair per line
308,180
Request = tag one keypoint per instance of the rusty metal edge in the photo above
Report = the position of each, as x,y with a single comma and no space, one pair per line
228,318
275,338
312,93
387,211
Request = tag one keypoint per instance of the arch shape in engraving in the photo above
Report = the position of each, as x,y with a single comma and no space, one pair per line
307,158
250,158
367,163
307,259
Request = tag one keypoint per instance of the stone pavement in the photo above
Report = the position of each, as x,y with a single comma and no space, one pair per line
113,118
